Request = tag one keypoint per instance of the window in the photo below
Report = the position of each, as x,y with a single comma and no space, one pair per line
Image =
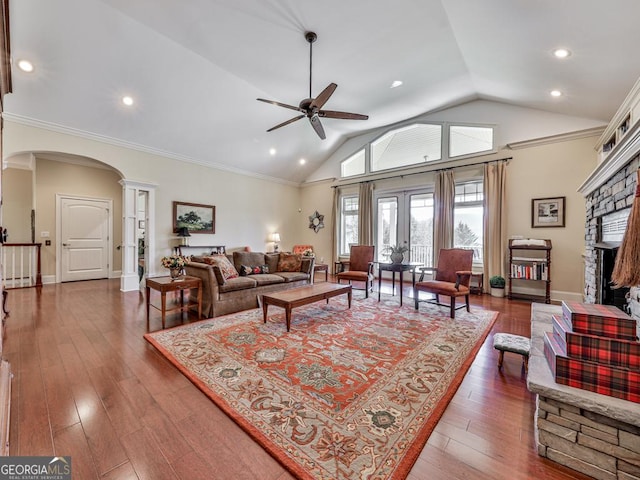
465,140
354,165
468,218
405,218
407,146
348,224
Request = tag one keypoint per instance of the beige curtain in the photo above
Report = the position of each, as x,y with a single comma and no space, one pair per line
494,245
365,214
444,197
335,215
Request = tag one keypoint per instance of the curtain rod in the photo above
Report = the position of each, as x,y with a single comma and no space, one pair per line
506,159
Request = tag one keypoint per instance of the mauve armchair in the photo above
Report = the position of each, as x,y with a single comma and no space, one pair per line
360,267
451,278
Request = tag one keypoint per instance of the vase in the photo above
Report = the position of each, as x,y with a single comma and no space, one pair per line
397,257
174,272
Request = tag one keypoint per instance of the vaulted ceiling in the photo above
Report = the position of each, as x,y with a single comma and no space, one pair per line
194,68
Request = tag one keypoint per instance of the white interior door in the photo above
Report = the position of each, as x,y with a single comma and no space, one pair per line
84,239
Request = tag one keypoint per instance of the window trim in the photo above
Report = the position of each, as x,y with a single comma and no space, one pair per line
342,217
445,157
475,203
405,126
472,154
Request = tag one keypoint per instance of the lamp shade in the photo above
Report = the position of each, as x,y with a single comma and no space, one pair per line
183,232
275,237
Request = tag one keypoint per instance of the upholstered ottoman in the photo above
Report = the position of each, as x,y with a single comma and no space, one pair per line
507,342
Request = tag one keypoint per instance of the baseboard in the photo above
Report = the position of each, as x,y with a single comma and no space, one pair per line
47,279
556,295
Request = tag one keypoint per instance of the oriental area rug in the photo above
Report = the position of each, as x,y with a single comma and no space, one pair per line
347,393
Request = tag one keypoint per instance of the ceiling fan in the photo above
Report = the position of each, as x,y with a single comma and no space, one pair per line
312,107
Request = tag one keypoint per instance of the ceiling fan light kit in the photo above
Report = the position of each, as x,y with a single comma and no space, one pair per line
312,107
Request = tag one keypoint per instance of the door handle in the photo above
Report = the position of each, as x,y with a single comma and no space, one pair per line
66,244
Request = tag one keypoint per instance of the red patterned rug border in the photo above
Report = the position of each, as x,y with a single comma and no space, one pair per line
421,438
294,468
253,432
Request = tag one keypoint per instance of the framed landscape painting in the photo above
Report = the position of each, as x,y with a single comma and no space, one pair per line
547,212
196,217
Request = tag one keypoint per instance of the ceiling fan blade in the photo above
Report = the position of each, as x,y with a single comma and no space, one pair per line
321,99
273,102
343,115
287,122
317,126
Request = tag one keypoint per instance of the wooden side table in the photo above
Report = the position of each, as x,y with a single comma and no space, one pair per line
322,267
476,284
167,284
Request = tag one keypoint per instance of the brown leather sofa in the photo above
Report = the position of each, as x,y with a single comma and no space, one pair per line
221,296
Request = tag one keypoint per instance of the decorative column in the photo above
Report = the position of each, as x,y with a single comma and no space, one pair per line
130,197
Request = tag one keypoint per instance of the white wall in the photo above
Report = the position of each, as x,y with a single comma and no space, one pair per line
247,209
552,171
17,204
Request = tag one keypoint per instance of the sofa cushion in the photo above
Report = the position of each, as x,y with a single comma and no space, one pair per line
289,262
271,259
238,283
293,276
251,259
222,262
267,279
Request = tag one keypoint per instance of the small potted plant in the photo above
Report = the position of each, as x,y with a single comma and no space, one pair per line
497,284
397,252
308,253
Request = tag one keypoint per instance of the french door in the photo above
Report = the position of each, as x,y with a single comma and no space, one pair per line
405,218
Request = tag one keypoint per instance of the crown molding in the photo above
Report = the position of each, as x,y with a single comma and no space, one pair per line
562,137
630,100
622,153
31,122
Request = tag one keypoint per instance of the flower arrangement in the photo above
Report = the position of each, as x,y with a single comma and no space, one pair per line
308,253
174,261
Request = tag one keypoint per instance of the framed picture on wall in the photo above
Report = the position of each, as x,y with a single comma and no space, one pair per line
196,217
547,212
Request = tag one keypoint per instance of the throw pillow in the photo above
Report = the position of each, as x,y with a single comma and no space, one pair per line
289,262
247,270
223,263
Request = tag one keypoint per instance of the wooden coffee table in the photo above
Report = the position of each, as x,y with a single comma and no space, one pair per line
297,297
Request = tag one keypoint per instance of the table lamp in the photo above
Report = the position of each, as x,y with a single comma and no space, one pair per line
275,238
183,233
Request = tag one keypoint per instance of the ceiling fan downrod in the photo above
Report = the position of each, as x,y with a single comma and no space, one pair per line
311,37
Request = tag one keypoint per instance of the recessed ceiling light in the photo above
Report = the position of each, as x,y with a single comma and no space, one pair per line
555,93
302,161
127,100
561,53
396,83
25,66
272,151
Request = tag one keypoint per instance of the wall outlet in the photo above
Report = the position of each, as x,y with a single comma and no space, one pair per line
44,234
47,243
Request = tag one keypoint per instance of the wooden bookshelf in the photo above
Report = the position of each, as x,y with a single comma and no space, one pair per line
530,263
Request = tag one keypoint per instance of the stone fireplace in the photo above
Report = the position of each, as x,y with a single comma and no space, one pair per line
605,206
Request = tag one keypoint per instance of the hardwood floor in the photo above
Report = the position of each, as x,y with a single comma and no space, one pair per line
87,384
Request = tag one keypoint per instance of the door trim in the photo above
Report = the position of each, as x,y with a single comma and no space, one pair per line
59,198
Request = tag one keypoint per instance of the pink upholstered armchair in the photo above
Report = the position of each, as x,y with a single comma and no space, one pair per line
451,278
360,267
